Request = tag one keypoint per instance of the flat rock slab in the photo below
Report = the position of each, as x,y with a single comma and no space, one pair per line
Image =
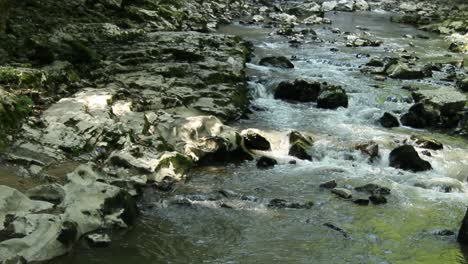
442,96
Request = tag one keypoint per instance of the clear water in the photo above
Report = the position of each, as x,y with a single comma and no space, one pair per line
401,231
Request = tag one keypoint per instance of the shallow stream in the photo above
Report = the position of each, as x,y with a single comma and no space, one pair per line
243,229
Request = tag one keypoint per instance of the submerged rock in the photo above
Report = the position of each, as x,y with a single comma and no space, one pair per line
361,201
406,158
280,203
378,199
266,162
298,90
388,120
372,188
329,184
279,62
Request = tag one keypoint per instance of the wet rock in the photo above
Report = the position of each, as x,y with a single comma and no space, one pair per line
98,240
406,158
462,237
298,90
345,5
329,5
280,203
254,140
295,136
361,5
315,20
53,193
372,188
378,199
426,153
421,116
329,184
427,142
279,62
459,43
342,192
443,232
370,149
258,18
336,228
204,139
375,62
356,41
388,120
299,150
266,162
438,108
400,70
463,84
361,201
332,97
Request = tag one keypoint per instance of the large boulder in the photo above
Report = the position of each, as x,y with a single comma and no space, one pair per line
332,97
440,108
406,158
421,116
298,90
279,62
204,139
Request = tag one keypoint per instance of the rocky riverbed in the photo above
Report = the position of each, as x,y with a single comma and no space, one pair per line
109,105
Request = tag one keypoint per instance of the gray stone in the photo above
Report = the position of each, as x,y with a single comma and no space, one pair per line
342,192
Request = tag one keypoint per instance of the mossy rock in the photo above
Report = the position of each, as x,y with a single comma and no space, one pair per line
12,111
21,78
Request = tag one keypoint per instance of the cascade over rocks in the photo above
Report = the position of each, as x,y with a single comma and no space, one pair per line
406,158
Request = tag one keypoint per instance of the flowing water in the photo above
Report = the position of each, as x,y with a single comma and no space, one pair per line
193,225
